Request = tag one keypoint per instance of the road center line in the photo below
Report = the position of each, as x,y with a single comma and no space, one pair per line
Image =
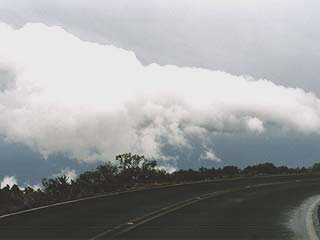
134,223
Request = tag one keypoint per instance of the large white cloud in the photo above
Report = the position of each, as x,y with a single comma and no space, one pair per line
8,180
61,94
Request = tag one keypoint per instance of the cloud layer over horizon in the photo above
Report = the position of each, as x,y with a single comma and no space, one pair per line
92,101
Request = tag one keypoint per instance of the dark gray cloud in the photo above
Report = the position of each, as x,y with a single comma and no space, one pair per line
29,166
265,39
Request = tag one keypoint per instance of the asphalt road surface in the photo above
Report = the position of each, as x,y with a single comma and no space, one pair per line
255,208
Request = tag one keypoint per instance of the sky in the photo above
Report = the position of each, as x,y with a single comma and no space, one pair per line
188,83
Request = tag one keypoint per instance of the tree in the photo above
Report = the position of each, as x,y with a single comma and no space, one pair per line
283,170
264,168
129,161
86,184
134,168
16,195
148,170
5,195
107,177
58,188
316,168
230,171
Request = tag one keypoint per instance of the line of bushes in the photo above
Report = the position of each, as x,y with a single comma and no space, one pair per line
128,172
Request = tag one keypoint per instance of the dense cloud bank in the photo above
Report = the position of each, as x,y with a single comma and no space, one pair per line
61,94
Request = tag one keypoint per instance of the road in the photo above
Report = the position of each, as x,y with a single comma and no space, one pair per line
231,209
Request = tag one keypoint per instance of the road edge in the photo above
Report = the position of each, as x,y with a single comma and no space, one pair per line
312,220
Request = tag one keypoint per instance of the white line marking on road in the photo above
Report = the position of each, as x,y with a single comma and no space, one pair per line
116,231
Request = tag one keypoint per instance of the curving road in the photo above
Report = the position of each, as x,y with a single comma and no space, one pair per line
255,208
